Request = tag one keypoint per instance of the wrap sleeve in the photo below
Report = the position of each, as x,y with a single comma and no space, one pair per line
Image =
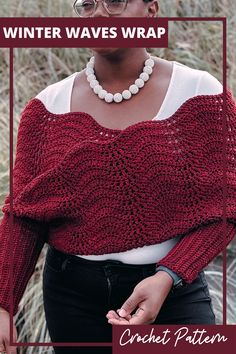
28,235
197,249
202,244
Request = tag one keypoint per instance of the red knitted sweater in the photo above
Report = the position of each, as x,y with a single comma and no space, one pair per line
86,189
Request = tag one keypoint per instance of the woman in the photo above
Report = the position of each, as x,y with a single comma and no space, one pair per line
104,184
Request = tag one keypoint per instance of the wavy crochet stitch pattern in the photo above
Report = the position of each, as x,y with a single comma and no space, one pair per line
87,189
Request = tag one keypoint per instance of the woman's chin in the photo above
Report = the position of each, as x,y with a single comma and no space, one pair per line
104,51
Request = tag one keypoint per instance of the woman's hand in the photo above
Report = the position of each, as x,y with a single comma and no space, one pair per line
148,296
5,333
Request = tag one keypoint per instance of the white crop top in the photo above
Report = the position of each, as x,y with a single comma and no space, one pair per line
185,83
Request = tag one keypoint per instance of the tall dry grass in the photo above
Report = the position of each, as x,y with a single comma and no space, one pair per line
196,44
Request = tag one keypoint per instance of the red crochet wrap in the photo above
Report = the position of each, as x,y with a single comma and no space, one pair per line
86,189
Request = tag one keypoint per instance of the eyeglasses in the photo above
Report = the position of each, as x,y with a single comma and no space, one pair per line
86,8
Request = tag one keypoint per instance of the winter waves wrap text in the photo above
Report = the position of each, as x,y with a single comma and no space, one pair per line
85,32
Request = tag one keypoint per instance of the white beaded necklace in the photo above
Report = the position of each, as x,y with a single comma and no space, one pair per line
126,94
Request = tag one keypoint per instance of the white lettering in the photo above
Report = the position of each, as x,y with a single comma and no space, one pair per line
160,31
141,32
197,337
96,31
10,32
144,339
128,32
86,32
72,32
31,32
180,335
113,31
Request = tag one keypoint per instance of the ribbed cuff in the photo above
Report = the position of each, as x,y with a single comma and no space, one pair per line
197,249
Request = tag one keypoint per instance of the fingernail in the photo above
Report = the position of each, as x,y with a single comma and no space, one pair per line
122,312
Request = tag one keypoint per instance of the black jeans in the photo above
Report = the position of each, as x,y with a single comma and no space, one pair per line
78,293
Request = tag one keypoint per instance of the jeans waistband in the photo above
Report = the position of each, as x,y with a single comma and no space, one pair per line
96,263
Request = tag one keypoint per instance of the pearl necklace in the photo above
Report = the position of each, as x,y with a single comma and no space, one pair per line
126,94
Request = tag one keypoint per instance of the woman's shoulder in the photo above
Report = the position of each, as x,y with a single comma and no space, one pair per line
185,83
192,81
57,95
204,82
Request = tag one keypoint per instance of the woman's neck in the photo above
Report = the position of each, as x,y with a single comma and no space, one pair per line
121,67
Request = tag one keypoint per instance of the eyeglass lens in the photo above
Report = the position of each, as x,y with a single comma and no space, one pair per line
85,8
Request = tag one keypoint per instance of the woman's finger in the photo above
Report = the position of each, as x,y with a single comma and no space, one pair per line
139,317
112,314
120,321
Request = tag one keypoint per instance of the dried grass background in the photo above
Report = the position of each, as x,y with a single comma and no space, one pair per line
196,44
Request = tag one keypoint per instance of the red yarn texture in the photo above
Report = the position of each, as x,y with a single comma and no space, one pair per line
85,189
